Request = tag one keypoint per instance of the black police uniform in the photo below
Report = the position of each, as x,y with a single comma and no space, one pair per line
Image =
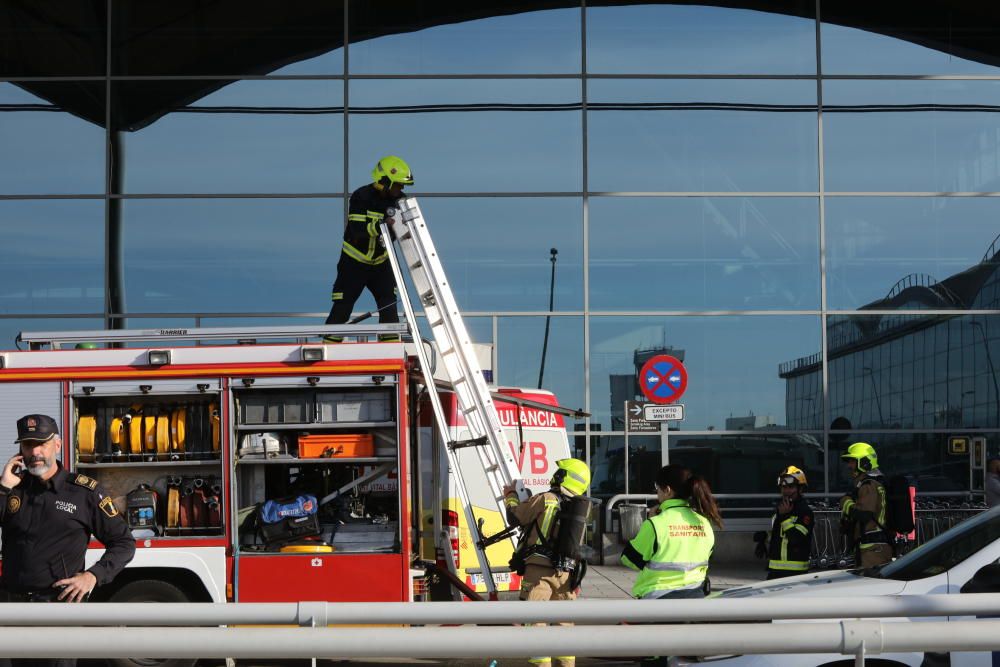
791,541
46,528
363,259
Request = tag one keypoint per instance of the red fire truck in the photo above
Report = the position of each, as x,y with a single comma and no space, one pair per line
194,441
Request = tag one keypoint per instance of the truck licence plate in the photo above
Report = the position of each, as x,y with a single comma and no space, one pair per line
498,578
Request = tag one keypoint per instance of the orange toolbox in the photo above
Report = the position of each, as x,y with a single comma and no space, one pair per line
336,446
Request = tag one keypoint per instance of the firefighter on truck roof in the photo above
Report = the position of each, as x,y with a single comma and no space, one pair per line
548,556
363,256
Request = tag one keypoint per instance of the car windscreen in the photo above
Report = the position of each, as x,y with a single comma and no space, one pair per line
947,549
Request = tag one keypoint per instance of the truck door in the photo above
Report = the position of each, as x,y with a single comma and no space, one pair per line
317,517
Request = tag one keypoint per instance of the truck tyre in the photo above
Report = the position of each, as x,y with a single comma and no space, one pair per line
150,590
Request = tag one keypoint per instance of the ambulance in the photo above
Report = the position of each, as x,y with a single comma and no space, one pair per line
535,426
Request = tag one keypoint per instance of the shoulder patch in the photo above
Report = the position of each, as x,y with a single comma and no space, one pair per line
108,507
13,504
83,480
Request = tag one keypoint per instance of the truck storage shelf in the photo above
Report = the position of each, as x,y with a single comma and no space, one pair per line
314,426
151,464
333,459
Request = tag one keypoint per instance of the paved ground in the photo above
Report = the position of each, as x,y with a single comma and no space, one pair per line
602,582
615,582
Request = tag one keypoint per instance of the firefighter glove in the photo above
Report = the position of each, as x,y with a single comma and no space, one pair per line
760,537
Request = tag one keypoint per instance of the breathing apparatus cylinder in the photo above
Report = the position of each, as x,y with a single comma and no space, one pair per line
574,514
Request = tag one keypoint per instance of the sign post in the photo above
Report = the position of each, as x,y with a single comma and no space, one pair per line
625,465
663,380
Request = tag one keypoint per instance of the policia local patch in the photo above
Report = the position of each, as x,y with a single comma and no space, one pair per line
108,507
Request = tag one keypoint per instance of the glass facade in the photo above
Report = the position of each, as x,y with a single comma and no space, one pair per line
765,194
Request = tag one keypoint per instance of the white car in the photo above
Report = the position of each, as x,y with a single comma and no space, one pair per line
963,559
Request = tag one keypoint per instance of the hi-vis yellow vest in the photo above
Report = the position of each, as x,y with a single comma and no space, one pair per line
671,550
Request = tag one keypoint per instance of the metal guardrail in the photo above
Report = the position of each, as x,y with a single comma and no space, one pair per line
580,612
602,638
933,515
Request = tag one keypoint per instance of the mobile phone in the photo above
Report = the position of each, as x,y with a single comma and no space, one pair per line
19,468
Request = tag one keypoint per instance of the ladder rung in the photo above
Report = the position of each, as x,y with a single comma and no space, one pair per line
416,265
474,442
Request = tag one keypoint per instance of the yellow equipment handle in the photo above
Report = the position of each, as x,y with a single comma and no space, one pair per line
178,429
86,434
213,413
149,433
116,431
162,434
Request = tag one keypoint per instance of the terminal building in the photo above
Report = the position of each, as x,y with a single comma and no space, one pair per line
799,195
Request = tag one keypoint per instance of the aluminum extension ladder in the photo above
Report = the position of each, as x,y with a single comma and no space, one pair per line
460,364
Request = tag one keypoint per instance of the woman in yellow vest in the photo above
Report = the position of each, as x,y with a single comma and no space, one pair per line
673,545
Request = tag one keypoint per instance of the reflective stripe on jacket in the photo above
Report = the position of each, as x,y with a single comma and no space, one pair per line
361,235
671,550
791,539
538,515
865,508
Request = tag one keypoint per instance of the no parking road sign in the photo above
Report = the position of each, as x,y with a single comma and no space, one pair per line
663,379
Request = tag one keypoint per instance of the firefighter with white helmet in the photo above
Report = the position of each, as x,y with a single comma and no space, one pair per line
363,256
863,511
551,520
791,528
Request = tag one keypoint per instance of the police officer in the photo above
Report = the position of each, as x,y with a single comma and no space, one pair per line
863,510
363,257
542,580
791,527
48,515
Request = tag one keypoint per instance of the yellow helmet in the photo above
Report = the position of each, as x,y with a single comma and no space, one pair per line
573,476
391,169
864,454
792,475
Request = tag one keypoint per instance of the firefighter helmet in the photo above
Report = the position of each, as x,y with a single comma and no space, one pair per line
391,169
572,475
792,475
864,454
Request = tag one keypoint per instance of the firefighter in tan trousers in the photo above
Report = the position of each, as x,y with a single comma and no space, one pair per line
541,579
863,511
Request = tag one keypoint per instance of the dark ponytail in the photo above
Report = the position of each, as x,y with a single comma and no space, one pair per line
692,488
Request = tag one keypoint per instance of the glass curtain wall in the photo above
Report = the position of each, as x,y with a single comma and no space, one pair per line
766,191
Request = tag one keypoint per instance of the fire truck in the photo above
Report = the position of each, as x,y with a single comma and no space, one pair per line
192,441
